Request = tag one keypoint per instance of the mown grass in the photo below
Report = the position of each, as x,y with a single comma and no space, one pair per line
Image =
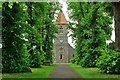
43,72
93,73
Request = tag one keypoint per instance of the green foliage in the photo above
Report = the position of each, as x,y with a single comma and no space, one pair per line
42,33
91,28
90,59
90,31
15,57
75,60
28,33
34,35
36,59
111,45
92,49
109,62
49,31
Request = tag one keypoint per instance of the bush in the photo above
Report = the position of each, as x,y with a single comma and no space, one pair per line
73,60
15,62
26,69
36,59
109,62
90,59
89,49
111,45
87,61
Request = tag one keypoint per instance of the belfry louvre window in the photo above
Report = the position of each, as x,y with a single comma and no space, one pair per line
61,49
61,30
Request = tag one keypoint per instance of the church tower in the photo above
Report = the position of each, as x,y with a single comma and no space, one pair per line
61,42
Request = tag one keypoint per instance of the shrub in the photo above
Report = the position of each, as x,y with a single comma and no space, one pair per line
73,60
111,45
15,62
109,62
90,59
36,59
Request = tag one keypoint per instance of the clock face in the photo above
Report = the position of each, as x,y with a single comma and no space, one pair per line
61,41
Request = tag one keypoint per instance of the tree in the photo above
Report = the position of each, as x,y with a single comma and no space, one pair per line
42,33
91,23
36,15
116,7
28,33
0,38
15,57
49,31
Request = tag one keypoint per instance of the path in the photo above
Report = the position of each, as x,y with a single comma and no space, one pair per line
64,71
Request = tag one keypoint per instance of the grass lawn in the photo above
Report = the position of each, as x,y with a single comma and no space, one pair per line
88,73
36,73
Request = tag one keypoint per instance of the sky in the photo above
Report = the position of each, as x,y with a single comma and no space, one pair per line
65,11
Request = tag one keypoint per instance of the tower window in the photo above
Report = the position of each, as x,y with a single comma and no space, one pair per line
61,30
61,48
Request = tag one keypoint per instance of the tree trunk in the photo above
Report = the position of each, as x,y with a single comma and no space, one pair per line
29,9
116,7
94,16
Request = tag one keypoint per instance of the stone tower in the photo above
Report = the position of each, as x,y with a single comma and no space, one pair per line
61,47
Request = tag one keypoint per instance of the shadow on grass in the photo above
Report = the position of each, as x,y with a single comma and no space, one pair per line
93,73
42,72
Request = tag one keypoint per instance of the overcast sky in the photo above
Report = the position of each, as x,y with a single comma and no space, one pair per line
65,11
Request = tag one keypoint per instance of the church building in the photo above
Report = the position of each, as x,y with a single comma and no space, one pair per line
63,52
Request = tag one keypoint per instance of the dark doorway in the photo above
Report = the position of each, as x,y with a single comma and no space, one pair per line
60,56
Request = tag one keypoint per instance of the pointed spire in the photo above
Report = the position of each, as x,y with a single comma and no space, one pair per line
61,18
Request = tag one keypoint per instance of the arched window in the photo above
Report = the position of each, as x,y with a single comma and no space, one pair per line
61,30
61,47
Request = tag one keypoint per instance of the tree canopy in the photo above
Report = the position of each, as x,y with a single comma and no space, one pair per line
91,27
28,33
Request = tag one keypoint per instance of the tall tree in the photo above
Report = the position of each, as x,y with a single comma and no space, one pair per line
36,16
116,7
89,30
14,54
50,30
42,32
1,37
